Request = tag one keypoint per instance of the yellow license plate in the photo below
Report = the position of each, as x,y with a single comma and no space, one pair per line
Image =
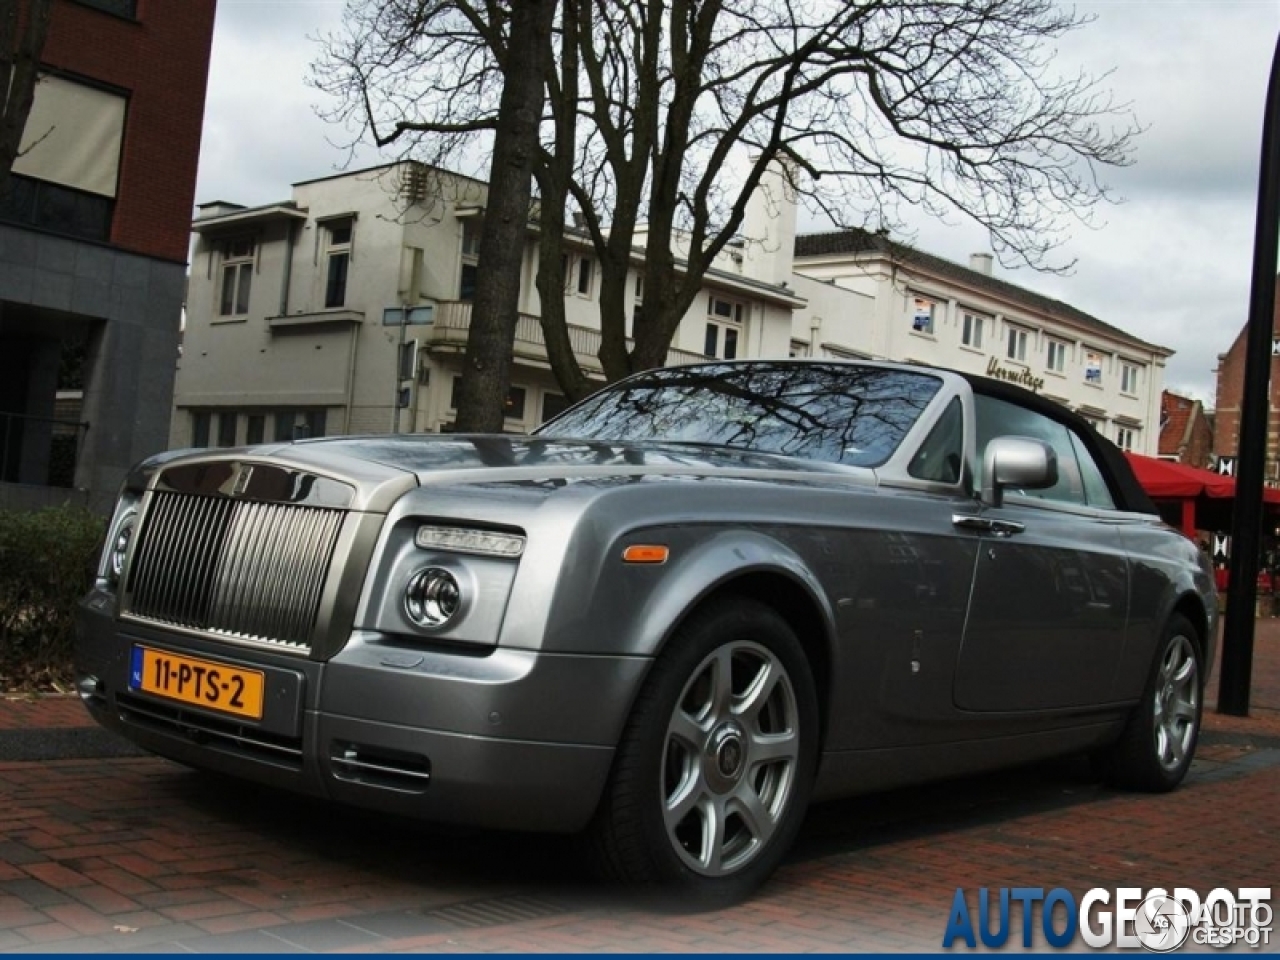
203,683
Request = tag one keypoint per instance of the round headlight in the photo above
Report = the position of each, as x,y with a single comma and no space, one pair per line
120,548
433,597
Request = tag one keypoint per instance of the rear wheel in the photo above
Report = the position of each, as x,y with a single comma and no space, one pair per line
714,771
1157,746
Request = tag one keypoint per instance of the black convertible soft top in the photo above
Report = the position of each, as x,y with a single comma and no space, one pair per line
1125,489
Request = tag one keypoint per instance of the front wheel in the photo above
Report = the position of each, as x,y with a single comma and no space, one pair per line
714,771
1159,741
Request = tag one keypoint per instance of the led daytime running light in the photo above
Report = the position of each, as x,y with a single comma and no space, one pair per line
467,540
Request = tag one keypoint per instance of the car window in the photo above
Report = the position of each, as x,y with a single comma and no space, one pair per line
840,413
940,455
999,418
1095,485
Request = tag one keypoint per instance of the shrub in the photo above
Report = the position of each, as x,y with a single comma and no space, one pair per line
47,562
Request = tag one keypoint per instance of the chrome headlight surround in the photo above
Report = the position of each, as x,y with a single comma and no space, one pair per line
433,598
120,534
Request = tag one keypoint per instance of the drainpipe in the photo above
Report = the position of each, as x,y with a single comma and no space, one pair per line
815,324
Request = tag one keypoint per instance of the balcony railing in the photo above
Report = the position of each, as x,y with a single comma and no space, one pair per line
453,320
41,451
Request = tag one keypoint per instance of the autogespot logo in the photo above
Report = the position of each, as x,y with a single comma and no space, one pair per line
1128,917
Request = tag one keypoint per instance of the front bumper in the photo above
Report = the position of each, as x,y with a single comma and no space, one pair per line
513,740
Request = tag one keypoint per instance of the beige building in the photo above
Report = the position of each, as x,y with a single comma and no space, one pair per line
294,310
916,307
293,314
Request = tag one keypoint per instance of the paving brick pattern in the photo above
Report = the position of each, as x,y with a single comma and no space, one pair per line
138,854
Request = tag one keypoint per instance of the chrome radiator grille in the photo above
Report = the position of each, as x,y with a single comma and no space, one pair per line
242,569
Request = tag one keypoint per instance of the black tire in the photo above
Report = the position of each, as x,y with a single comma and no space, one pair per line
1159,741
697,750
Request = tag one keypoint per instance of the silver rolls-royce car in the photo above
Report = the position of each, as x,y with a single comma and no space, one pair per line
676,615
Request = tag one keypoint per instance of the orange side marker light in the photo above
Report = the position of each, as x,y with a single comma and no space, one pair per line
645,553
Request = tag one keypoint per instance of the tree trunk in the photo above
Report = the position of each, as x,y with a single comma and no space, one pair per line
20,52
486,375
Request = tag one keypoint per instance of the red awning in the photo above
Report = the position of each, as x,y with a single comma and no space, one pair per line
1165,479
1188,497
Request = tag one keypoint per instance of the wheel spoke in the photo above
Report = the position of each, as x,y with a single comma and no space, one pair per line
688,794
713,825
721,684
753,813
1185,673
758,691
1183,710
687,731
772,747
1175,745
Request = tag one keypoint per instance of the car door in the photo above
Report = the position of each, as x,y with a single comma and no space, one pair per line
1047,616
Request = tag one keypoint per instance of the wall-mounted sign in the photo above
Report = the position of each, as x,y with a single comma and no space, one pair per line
1019,375
1225,466
1093,367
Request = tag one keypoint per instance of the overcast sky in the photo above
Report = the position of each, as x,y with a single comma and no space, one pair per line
1171,264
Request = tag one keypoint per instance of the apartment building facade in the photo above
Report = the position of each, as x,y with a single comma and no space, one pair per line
94,228
917,307
345,309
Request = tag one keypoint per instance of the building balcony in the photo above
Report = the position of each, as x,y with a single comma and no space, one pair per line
447,333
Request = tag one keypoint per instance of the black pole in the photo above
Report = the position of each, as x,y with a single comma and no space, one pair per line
1246,522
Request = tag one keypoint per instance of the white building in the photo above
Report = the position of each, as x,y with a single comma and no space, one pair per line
916,307
294,309
293,313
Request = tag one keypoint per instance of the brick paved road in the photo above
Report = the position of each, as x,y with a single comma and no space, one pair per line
139,854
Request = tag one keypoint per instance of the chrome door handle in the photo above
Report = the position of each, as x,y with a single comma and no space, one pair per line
1001,528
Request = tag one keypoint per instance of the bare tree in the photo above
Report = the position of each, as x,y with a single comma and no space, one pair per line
21,45
473,70
673,113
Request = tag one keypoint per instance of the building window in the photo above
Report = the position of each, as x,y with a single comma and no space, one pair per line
299,424
1016,344
586,276
1126,437
58,209
121,8
255,429
227,429
922,315
512,405
1128,378
66,173
471,229
1093,367
724,328
553,404
1056,356
237,276
337,261
971,334
200,422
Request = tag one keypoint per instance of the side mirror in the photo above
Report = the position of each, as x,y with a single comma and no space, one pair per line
1021,462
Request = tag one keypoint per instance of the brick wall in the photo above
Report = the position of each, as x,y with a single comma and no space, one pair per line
162,59
1230,393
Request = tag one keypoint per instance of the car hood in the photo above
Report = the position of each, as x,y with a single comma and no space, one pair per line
457,458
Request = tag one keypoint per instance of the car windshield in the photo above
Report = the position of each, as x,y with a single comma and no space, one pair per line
840,413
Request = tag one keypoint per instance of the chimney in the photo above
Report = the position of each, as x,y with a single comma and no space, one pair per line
769,228
981,262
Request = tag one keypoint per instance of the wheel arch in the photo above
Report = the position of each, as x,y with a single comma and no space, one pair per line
1191,606
763,570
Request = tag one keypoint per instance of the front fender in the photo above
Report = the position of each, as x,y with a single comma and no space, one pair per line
631,609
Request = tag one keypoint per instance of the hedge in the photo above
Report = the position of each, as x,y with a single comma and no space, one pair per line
47,562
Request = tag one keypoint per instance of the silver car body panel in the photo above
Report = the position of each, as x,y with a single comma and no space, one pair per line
948,634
